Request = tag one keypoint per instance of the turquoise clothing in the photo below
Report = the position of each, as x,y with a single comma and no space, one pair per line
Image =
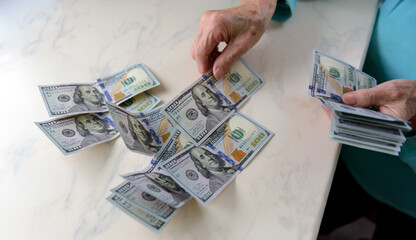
284,10
391,55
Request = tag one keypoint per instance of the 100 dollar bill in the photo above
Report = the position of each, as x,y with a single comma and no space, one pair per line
73,134
365,114
206,170
159,184
145,201
208,102
332,78
70,99
141,132
127,83
142,102
150,221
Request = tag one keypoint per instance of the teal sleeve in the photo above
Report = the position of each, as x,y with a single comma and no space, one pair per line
408,153
284,10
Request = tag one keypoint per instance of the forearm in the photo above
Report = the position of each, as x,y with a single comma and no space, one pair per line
262,9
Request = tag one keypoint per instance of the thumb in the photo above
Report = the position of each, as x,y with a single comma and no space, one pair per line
364,97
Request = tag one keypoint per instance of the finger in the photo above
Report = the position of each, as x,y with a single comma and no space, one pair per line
231,52
201,62
365,97
205,48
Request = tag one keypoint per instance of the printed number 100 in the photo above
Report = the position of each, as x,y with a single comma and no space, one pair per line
258,139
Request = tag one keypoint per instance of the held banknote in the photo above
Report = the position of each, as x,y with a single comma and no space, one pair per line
206,170
382,132
366,141
332,78
150,221
142,102
127,83
159,184
365,114
141,132
73,134
145,201
208,102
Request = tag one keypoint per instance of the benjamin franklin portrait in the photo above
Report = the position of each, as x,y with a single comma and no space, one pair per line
93,129
210,105
169,185
88,98
143,141
211,166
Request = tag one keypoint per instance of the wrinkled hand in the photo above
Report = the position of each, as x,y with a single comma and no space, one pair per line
239,27
395,97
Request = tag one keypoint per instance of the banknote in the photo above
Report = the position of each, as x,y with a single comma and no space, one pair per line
206,170
369,136
176,142
145,201
208,102
201,172
73,134
157,121
150,221
141,132
364,81
70,99
159,184
127,83
346,137
365,114
140,103
388,133
238,138
332,78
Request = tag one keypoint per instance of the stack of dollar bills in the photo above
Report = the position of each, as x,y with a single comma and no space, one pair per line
81,118
360,127
199,141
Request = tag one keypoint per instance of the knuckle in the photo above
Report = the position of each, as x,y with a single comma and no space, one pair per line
199,51
216,18
366,96
245,44
394,94
229,59
393,91
205,16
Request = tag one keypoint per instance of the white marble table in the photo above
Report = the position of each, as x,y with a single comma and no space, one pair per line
280,195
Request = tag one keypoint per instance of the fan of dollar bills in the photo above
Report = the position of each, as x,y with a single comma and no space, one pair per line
199,141
360,127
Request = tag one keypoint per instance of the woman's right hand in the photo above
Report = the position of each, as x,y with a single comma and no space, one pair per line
239,27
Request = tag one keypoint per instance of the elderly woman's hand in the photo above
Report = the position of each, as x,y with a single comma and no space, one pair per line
239,27
396,97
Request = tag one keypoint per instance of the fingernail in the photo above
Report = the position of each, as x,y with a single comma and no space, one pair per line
350,98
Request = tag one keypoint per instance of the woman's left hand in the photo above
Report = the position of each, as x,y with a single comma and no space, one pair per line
396,97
